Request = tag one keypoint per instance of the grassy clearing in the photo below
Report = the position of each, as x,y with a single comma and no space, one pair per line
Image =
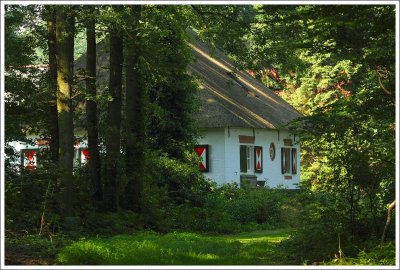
149,248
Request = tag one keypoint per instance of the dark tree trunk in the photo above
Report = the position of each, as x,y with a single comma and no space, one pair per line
91,107
65,28
53,115
112,171
134,116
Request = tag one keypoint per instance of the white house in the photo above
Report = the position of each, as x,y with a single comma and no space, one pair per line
242,126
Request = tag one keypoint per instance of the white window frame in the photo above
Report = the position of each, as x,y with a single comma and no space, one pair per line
249,158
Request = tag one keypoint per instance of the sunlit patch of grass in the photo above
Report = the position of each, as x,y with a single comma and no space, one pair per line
149,248
273,236
202,256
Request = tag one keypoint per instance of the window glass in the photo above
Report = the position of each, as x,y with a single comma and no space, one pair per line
289,160
285,158
294,161
246,158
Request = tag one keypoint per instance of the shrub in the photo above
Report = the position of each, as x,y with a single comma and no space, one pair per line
113,223
181,177
378,255
27,195
36,246
229,209
324,221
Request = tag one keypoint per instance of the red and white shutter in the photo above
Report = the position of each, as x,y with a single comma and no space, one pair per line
29,158
258,158
202,152
85,155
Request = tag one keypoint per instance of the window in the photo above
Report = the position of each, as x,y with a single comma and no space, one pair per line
250,159
29,158
246,158
289,160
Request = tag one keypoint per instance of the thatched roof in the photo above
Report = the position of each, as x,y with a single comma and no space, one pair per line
234,98
228,97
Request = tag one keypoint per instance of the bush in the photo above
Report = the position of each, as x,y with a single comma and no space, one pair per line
262,206
180,177
312,243
36,246
324,221
378,255
113,223
27,195
229,209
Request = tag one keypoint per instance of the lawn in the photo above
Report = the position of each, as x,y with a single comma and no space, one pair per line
178,248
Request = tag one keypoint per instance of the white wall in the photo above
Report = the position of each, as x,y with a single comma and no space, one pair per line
17,145
226,169
216,149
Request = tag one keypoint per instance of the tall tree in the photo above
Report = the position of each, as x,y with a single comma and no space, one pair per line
65,29
172,94
113,133
134,141
51,43
91,105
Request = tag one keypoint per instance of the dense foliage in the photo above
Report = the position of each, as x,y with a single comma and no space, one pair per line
336,65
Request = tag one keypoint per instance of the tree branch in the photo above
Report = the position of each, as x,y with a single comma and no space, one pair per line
379,75
219,14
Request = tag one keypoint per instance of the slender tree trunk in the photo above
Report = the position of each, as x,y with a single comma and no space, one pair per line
112,171
134,115
65,58
51,42
352,212
91,107
390,207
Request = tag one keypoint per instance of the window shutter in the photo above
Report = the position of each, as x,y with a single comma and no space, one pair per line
283,160
258,159
294,161
84,155
202,152
29,158
243,160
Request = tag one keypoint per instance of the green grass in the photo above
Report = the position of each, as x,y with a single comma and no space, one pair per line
149,248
